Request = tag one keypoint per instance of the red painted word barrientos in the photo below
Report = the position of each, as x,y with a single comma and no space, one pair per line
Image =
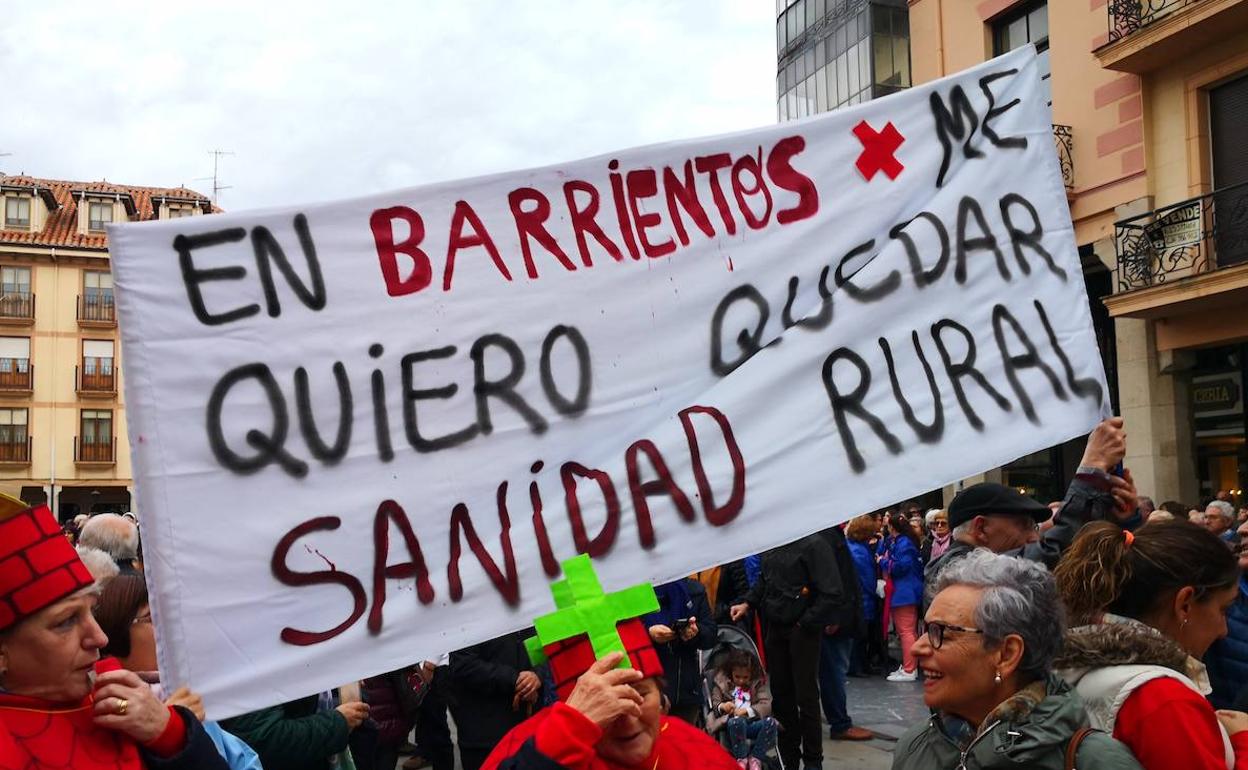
743,193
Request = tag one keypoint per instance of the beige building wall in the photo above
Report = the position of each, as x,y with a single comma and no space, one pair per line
55,403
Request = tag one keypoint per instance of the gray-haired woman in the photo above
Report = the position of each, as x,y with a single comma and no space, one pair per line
993,629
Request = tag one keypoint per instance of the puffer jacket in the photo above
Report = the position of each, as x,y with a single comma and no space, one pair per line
1227,659
1030,730
864,569
901,563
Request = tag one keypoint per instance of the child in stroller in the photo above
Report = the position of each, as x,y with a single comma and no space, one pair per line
740,701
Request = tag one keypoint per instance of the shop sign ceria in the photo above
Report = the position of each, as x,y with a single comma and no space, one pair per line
1215,395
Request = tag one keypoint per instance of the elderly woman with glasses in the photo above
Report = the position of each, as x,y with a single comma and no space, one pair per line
993,629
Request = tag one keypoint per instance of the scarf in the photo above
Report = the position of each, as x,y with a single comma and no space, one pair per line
939,546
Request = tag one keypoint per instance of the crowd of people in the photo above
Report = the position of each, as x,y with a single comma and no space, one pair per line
1100,630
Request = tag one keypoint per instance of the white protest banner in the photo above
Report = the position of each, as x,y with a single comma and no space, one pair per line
366,432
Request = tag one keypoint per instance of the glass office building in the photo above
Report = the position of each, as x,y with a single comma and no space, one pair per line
830,53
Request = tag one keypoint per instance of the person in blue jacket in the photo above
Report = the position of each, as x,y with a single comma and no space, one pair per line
1227,659
901,564
868,647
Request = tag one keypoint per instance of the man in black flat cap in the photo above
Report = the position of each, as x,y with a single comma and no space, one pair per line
1005,521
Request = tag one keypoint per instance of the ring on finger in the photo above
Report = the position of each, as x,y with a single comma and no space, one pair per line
122,706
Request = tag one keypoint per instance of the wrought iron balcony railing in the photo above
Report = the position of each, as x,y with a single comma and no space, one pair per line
1065,142
1128,16
1195,236
97,375
15,449
16,373
18,305
97,309
95,449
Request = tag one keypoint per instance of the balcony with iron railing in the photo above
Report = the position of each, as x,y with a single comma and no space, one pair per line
17,308
16,375
95,450
1183,240
15,450
97,311
1148,34
97,377
1064,140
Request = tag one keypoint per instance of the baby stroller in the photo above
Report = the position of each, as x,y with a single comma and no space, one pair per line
730,638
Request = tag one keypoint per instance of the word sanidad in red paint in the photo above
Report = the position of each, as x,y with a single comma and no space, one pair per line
719,508
740,194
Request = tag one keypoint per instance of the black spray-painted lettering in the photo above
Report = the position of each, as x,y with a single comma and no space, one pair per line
851,404
965,368
1014,363
928,433
750,342
960,123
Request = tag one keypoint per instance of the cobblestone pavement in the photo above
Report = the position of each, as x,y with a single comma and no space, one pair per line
885,708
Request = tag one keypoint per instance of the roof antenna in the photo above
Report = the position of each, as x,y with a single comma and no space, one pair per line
217,187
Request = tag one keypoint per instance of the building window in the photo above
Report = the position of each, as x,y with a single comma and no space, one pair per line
1228,109
96,442
99,213
97,366
17,212
179,212
16,300
13,435
891,48
1028,24
14,363
97,296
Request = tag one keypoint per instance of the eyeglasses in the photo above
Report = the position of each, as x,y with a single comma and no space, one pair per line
939,523
936,632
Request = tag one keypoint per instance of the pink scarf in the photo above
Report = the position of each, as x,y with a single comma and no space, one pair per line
939,546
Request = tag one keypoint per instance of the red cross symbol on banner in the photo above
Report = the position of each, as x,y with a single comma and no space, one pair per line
878,149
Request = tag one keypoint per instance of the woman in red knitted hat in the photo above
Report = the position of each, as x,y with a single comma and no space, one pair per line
58,707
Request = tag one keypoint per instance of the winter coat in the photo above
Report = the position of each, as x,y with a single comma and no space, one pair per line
848,613
901,563
865,575
1227,659
292,736
1030,730
679,657
721,692
393,700
799,584
481,686
1107,662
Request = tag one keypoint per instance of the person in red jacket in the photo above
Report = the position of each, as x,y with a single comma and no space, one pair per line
1150,604
607,717
60,705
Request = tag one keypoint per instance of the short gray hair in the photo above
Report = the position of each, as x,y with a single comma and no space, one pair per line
99,564
1020,597
1224,509
116,536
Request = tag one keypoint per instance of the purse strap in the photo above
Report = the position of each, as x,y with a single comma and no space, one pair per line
1072,748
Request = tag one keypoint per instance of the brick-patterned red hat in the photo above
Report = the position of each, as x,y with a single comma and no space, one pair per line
38,566
589,624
